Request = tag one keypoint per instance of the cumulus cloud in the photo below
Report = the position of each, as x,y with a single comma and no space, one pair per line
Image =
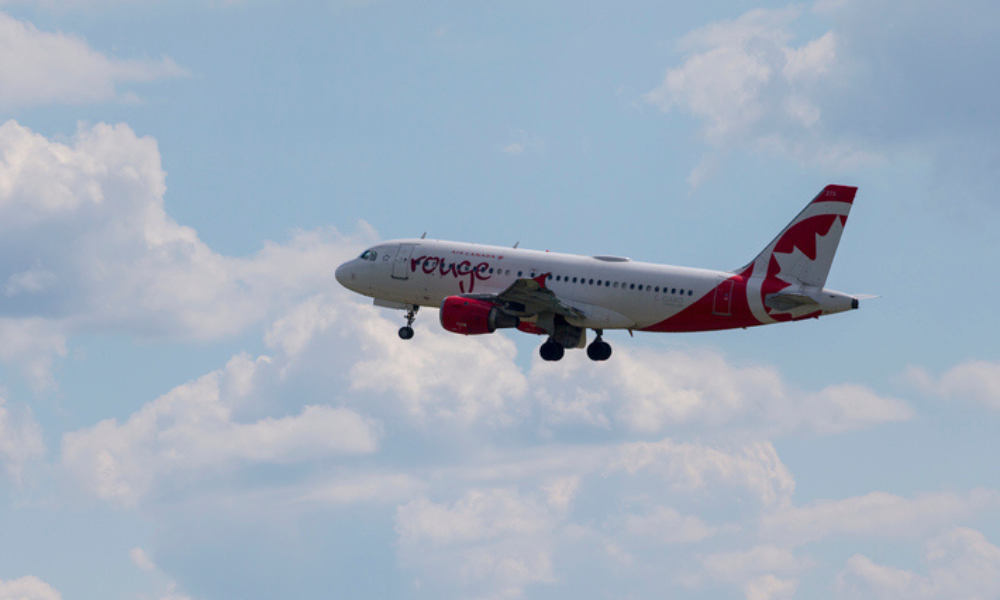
489,542
762,572
976,382
28,588
88,246
691,467
193,428
735,70
38,67
20,440
877,514
648,391
343,489
872,84
32,344
436,377
141,560
750,84
960,563
748,566
665,525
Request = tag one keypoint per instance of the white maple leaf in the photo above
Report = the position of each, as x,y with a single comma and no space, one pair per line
799,271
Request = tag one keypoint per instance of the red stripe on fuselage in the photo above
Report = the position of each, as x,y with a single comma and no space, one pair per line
702,315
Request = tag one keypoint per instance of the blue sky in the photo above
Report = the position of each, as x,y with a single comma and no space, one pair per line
191,408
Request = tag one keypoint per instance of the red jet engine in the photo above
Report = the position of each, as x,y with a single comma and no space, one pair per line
469,316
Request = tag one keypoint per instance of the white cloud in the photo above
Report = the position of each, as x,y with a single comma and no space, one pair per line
523,142
88,246
881,79
193,428
690,467
769,587
746,565
440,375
27,588
561,491
489,543
29,282
647,391
368,488
877,514
435,377
32,345
20,441
141,560
762,572
38,67
976,381
665,525
960,564
744,79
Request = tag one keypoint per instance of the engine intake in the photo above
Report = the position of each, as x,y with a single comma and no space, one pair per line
469,316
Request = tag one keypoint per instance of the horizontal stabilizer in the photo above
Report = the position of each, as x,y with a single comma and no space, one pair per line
787,302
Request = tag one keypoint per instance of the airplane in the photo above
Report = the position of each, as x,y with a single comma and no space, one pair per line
480,289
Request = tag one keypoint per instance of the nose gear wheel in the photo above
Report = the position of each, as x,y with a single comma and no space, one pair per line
406,332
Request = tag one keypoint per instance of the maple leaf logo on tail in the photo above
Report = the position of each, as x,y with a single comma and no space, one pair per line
796,263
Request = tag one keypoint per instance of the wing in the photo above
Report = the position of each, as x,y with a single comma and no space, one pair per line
527,297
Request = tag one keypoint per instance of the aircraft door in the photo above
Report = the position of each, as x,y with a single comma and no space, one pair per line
401,265
723,298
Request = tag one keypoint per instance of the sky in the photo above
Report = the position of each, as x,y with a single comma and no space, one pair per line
191,408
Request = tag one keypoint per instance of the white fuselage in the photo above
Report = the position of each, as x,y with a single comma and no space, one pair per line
613,292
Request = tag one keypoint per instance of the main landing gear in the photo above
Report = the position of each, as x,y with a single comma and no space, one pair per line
552,350
598,350
406,332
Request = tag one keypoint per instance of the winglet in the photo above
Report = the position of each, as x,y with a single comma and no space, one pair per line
540,280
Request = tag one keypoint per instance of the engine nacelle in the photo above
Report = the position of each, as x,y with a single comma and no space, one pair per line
469,316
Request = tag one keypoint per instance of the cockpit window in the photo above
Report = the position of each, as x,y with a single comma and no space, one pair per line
369,255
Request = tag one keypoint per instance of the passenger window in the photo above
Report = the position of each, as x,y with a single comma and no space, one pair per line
591,282
673,290
657,290
631,286
607,284
574,280
690,292
616,285
519,273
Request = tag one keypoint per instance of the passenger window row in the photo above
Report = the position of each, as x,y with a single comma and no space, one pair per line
584,281
622,285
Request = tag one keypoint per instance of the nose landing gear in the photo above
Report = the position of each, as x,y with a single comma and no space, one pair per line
406,332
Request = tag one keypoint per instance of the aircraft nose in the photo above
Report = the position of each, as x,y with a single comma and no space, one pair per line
343,274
